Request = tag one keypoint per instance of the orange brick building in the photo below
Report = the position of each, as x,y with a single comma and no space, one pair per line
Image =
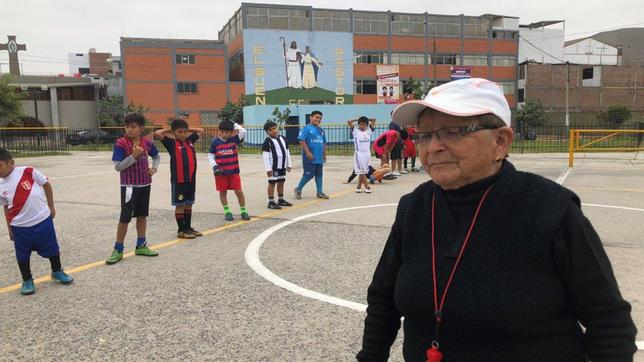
177,77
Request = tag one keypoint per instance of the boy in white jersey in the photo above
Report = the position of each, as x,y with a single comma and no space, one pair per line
362,145
277,161
28,202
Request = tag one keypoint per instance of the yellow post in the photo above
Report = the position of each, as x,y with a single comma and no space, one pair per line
571,148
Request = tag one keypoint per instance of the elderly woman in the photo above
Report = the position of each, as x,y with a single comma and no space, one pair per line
487,263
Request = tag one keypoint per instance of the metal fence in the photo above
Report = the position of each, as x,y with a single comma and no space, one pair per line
48,141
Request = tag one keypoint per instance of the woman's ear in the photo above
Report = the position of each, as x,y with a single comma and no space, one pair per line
504,138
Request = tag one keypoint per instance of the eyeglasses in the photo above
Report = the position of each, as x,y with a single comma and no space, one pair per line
450,134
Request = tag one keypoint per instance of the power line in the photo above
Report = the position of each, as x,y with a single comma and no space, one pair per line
541,50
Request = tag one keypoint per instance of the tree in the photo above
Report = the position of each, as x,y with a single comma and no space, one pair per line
414,89
233,111
112,111
615,115
10,103
532,114
280,117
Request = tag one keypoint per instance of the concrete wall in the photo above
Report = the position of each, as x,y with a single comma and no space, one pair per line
591,51
44,111
77,114
550,40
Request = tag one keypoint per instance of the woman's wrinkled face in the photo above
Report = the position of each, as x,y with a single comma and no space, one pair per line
457,162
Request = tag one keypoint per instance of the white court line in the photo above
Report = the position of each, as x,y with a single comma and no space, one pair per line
252,259
562,178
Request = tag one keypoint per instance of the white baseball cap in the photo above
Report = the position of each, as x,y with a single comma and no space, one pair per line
461,98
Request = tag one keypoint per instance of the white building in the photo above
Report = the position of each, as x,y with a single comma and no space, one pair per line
78,63
542,42
592,52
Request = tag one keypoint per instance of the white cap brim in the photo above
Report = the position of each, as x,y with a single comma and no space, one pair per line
407,113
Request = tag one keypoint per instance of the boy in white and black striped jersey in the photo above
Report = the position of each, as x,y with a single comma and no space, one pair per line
277,161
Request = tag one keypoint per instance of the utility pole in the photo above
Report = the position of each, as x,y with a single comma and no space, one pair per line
567,93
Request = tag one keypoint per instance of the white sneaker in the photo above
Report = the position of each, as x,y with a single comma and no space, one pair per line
358,191
367,190
396,173
404,172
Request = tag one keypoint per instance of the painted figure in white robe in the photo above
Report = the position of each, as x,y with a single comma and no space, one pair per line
294,57
309,75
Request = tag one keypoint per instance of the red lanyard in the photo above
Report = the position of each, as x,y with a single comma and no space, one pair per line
433,354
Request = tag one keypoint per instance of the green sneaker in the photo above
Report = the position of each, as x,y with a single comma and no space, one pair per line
245,216
229,216
114,258
145,251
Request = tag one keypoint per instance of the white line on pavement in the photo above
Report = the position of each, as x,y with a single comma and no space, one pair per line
562,178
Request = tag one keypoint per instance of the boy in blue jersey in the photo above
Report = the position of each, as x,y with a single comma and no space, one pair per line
313,142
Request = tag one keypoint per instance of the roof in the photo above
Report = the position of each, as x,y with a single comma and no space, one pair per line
541,24
629,40
36,81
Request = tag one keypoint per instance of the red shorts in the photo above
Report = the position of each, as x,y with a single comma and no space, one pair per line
228,182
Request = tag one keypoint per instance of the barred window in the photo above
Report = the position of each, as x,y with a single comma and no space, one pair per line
328,20
370,23
475,60
185,59
507,87
364,87
476,27
447,59
277,18
504,61
407,58
444,25
403,24
369,58
191,88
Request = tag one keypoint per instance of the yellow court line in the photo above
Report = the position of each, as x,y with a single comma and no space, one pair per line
166,244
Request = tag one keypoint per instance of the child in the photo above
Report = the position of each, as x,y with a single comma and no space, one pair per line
409,151
369,175
362,145
383,145
183,172
28,201
130,158
224,159
313,142
277,160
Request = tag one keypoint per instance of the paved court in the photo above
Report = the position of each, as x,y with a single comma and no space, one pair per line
200,300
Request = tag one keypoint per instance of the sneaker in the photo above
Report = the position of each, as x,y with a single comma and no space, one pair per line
62,277
28,287
114,258
195,232
245,216
367,190
396,173
229,216
389,177
404,172
284,203
185,234
372,180
322,195
358,191
298,194
145,251
273,205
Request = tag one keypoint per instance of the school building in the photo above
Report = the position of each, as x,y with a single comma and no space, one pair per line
346,62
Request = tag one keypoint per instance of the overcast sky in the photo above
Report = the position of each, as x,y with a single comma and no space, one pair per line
51,29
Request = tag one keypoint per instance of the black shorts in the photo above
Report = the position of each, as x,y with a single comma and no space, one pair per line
135,202
279,176
396,152
183,193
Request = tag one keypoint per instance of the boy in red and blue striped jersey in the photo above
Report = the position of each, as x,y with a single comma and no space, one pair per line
223,157
130,158
183,172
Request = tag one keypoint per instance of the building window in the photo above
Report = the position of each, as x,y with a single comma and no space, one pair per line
189,88
185,59
504,34
75,93
327,20
475,27
403,24
364,87
507,87
370,23
276,18
480,60
587,73
369,58
502,61
447,59
407,58
444,25
521,96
